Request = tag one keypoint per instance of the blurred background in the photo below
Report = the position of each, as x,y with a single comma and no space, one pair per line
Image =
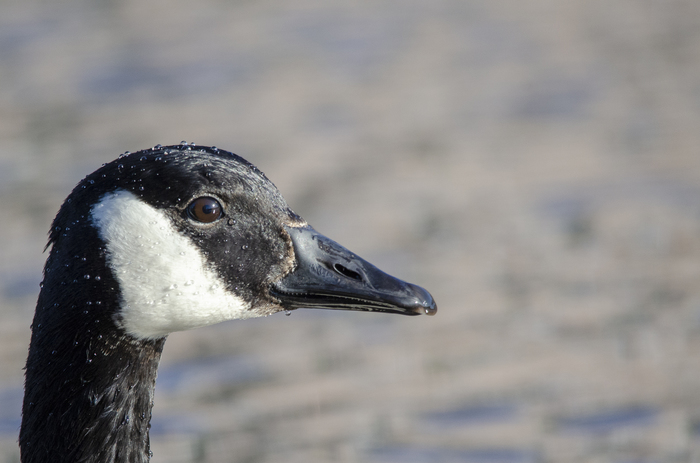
533,163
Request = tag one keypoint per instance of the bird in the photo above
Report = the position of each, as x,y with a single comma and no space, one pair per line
161,240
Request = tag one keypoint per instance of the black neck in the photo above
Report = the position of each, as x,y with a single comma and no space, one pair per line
89,386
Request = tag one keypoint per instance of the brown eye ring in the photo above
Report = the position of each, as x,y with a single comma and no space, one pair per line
205,210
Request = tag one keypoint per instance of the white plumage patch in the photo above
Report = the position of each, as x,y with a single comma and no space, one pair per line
164,279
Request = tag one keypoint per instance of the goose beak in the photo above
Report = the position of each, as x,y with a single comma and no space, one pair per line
328,276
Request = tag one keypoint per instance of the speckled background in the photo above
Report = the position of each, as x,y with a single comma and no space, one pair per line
534,163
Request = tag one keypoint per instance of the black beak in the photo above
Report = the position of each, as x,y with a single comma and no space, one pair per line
328,276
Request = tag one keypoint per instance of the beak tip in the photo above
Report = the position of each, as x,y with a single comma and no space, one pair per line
427,307
424,302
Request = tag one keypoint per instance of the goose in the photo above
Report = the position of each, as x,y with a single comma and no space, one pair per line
162,240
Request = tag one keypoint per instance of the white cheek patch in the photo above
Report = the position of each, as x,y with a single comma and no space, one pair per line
165,282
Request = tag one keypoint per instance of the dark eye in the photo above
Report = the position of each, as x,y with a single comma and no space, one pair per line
205,210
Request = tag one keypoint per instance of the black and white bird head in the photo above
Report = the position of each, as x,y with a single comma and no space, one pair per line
188,236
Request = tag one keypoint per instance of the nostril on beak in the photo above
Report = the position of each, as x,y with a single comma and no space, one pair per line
347,272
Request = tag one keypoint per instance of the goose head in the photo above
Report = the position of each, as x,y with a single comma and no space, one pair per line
193,236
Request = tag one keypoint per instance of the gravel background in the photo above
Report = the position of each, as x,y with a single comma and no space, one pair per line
533,163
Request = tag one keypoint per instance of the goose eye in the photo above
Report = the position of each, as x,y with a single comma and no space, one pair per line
205,210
